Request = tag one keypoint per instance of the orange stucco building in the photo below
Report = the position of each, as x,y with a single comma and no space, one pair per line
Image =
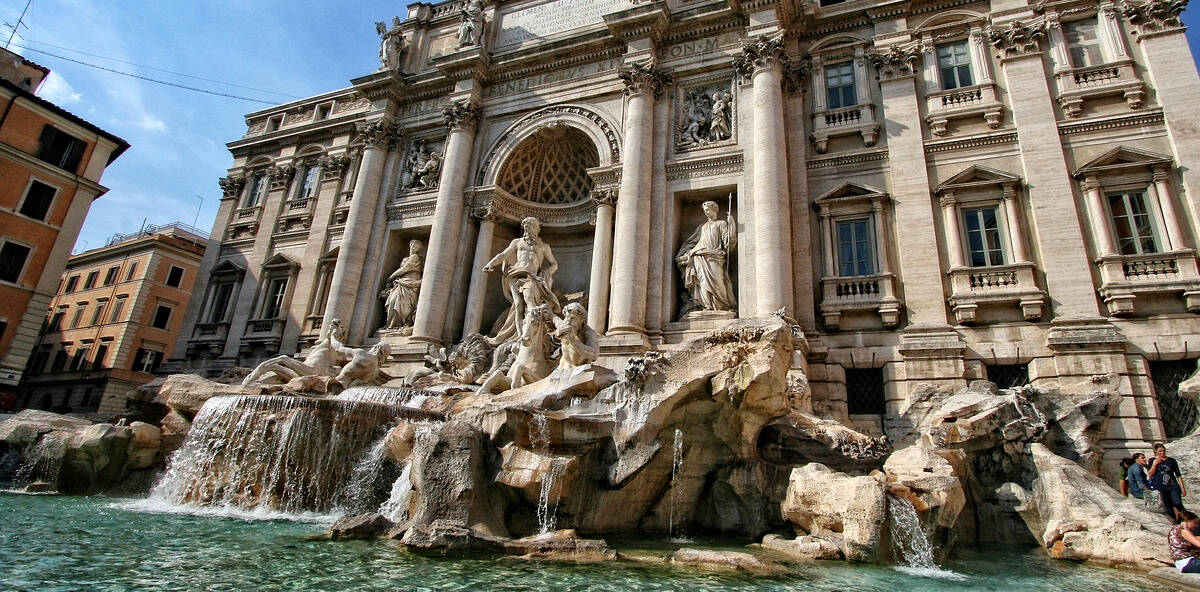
50,167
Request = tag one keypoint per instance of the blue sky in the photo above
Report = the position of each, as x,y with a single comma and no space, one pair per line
298,48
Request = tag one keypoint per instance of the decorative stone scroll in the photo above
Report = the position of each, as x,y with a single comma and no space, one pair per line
895,62
1017,39
379,134
605,197
333,167
280,175
460,115
231,185
644,78
1155,16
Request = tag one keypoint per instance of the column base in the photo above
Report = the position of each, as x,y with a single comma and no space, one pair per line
617,343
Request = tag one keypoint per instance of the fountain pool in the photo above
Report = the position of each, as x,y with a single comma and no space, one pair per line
59,543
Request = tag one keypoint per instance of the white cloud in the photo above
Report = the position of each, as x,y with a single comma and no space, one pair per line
57,90
151,123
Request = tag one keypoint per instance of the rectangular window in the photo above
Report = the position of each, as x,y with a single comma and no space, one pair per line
38,365
954,63
101,354
116,311
323,111
1135,231
308,187
983,236
839,85
162,316
257,192
60,361
90,282
273,305
1083,43
12,261
1008,375
98,314
175,276
221,296
72,283
60,148
274,123
78,315
111,275
37,200
147,360
855,255
88,402
56,322
864,391
79,360
132,270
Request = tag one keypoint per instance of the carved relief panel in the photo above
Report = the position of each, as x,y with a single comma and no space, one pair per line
705,114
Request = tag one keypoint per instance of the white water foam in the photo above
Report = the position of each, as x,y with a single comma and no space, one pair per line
159,506
910,544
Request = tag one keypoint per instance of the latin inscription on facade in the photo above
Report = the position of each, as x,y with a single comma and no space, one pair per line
539,22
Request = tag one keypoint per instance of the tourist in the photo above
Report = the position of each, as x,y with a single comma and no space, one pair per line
1123,479
1184,544
1164,477
1135,480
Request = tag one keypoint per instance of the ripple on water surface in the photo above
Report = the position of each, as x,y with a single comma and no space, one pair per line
76,543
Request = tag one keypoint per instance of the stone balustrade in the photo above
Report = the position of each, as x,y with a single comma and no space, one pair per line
1125,277
1076,85
845,121
972,287
944,106
873,293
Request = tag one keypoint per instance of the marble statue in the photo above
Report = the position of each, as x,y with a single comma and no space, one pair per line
580,343
718,128
528,265
391,45
404,285
363,365
530,359
424,167
323,359
471,29
702,261
465,363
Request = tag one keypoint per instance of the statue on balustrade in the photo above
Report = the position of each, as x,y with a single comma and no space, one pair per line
404,285
391,45
702,261
424,167
528,265
471,29
325,358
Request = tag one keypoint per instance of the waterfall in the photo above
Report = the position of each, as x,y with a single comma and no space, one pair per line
396,506
676,471
276,453
43,460
368,479
909,543
539,439
383,395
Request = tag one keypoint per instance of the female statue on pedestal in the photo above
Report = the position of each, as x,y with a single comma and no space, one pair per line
701,260
400,298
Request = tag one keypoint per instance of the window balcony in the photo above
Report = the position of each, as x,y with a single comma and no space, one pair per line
1007,284
265,333
1075,85
1124,277
206,332
845,121
296,215
860,293
244,223
944,106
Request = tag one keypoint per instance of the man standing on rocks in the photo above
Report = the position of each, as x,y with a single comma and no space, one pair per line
1165,474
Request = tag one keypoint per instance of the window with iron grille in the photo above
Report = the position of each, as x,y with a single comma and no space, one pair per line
1008,375
1178,414
864,391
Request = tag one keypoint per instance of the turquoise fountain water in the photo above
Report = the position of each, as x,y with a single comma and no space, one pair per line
58,543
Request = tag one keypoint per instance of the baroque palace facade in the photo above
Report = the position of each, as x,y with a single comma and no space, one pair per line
936,191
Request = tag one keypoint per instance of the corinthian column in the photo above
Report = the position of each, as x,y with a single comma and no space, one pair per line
378,137
477,293
601,258
460,118
764,61
631,251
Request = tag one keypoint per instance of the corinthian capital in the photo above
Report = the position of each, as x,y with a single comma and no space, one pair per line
764,51
1155,15
379,133
895,62
605,197
460,115
279,176
231,185
332,167
643,78
1017,39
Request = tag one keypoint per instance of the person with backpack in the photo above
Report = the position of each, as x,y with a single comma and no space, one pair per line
1165,478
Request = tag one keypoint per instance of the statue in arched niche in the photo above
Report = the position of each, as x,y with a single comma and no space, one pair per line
404,285
702,262
528,265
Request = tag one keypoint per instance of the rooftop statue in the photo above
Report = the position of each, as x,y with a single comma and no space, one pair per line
391,45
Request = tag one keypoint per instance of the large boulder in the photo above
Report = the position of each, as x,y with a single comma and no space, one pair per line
187,393
143,445
1077,516
451,481
803,547
28,425
849,511
929,482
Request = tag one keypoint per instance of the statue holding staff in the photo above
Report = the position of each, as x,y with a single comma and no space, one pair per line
702,262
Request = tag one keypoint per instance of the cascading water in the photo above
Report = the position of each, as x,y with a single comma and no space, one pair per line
383,395
909,543
547,510
396,506
676,471
43,461
278,453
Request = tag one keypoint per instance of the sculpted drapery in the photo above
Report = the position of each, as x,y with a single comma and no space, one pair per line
702,262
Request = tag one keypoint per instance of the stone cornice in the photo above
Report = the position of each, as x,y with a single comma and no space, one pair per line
642,21
849,159
1105,123
705,167
975,142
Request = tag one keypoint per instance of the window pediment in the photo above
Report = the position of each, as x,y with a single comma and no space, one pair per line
978,177
279,262
1122,160
228,268
848,193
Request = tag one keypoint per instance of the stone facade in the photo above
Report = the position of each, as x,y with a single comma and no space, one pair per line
935,192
